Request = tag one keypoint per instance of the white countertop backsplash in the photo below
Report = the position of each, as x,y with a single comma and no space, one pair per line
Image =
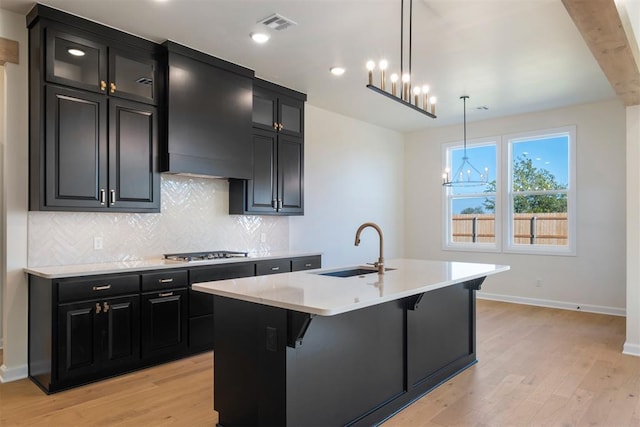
194,217
310,292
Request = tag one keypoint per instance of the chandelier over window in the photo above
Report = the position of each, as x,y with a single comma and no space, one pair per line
466,175
415,96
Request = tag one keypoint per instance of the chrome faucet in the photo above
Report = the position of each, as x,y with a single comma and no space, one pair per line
380,263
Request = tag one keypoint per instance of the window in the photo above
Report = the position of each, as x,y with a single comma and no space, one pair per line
534,192
471,210
540,192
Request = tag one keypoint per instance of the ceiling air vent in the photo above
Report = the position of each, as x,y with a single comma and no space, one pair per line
277,22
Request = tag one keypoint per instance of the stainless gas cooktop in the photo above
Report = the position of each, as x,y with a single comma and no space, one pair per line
203,256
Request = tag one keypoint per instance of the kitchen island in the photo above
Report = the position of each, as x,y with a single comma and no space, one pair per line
315,348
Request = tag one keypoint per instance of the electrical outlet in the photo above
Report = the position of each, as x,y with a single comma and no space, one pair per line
97,243
538,282
263,237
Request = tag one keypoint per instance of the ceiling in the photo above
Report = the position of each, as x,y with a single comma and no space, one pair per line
511,56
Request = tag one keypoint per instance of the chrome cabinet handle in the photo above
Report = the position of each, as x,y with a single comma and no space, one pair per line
165,280
280,126
275,268
103,85
308,265
279,204
112,197
103,196
165,294
98,308
106,307
113,87
101,288
275,125
274,204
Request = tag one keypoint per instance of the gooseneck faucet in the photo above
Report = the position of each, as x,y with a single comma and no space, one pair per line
380,263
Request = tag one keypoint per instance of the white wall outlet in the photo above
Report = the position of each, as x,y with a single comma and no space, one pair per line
538,282
97,243
263,237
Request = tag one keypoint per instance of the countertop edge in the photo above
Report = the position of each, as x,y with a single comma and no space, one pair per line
326,311
95,269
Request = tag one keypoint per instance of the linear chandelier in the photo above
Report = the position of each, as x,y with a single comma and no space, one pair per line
466,175
422,101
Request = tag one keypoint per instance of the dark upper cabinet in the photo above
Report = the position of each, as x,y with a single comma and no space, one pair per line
94,125
79,59
277,183
209,105
276,111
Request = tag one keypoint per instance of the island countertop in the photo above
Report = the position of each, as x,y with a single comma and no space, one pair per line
314,293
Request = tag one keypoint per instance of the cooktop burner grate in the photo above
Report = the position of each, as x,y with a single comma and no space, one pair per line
204,256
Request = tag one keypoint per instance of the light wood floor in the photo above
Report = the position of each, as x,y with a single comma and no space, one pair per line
536,366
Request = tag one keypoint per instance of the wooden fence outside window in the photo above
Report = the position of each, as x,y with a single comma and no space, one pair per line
528,228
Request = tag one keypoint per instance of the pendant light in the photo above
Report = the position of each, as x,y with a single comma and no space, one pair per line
412,95
466,175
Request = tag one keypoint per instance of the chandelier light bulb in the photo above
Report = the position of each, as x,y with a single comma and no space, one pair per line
394,86
406,78
370,66
416,95
432,101
383,64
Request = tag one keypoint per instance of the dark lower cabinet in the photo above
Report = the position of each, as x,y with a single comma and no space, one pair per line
98,336
164,323
84,329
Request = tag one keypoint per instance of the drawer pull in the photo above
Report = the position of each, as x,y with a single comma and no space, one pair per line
165,294
308,264
165,280
98,308
101,288
106,307
275,268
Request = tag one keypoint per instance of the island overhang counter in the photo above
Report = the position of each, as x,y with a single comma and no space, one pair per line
308,348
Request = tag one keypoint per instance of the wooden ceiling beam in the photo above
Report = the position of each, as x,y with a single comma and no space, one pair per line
9,51
611,42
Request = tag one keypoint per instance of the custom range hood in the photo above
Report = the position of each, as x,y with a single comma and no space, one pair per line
209,115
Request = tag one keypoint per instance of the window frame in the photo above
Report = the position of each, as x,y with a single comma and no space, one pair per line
508,141
503,212
447,196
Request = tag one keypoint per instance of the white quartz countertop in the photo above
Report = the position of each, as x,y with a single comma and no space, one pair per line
310,292
62,271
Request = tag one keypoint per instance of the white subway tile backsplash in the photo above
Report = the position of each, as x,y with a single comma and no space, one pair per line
194,217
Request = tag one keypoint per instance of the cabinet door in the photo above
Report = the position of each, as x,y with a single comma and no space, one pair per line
76,60
265,109
261,190
120,332
134,181
290,175
164,323
75,149
133,75
78,340
291,116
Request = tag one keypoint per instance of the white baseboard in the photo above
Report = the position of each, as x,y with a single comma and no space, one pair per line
631,349
12,374
613,311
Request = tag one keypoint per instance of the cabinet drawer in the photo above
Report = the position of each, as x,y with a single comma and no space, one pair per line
97,287
221,272
164,280
306,263
273,267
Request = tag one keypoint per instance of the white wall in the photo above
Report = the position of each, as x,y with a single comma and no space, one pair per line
353,174
15,181
595,278
632,344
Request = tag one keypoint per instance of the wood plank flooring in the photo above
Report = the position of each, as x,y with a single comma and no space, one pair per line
537,366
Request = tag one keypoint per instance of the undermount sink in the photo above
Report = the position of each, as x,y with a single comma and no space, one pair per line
352,272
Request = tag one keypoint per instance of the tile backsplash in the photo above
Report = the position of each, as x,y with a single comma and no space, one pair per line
194,217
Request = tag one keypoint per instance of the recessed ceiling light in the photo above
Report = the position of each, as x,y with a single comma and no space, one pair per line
75,52
260,37
337,71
